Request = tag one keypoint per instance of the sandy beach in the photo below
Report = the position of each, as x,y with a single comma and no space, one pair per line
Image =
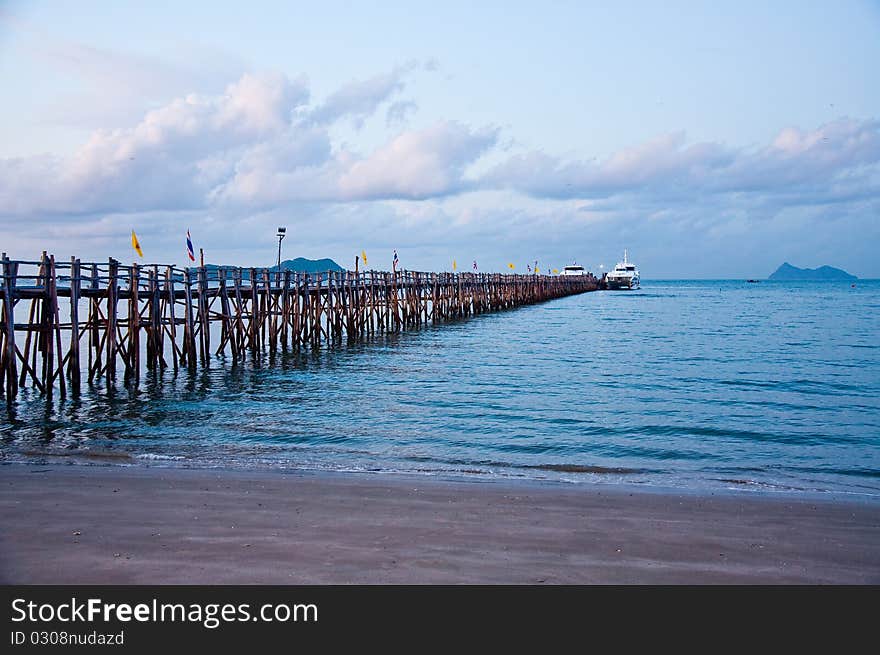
115,525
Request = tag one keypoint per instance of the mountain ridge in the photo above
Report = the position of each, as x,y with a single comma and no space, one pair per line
788,272
300,265
303,265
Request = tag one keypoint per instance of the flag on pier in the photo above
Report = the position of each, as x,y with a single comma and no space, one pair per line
394,263
511,266
475,264
555,271
136,244
528,266
364,256
189,247
454,265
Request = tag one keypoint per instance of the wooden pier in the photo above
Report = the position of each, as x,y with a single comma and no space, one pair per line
81,321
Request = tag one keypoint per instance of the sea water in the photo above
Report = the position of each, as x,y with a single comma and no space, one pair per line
691,384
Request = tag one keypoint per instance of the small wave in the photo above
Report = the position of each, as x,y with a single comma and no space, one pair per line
735,481
578,468
645,295
761,485
798,386
86,454
435,471
855,471
799,439
157,457
469,466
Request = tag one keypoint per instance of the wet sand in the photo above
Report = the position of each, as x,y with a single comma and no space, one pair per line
118,525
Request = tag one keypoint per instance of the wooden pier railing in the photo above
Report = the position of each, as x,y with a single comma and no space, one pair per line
78,320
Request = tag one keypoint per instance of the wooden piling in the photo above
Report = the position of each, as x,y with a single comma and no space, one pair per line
8,362
73,365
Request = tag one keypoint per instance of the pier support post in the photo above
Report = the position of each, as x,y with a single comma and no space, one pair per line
9,355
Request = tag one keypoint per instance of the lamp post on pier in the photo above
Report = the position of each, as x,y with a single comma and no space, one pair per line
282,232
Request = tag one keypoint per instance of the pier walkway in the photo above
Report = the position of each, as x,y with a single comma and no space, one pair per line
62,322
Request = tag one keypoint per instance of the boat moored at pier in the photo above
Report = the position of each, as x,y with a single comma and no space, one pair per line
625,276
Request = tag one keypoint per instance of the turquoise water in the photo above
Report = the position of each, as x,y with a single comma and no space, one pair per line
696,384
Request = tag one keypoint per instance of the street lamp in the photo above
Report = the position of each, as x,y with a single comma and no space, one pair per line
282,232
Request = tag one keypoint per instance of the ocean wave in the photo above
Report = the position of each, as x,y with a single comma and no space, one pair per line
578,468
158,457
84,454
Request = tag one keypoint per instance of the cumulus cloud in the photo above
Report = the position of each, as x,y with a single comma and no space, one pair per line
797,158
260,143
299,165
358,100
661,161
827,156
422,164
171,159
256,145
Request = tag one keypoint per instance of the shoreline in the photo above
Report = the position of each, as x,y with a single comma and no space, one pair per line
74,524
603,477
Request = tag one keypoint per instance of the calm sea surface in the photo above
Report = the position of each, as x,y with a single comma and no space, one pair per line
705,385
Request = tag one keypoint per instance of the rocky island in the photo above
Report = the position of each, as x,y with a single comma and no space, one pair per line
787,272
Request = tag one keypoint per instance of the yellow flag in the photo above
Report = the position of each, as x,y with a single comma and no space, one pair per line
555,271
364,256
454,265
511,266
136,244
537,270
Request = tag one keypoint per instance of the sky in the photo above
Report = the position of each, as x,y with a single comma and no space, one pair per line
710,139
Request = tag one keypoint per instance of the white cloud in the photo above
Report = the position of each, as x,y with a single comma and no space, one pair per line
358,100
249,147
170,159
423,164
826,157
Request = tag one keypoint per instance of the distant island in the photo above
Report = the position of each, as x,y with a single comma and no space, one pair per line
300,265
303,265
788,273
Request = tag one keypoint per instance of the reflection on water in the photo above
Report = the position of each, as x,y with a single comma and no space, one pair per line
699,384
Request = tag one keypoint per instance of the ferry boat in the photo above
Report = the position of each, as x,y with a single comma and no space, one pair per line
574,269
624,276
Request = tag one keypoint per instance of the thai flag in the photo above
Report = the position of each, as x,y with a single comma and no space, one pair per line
528,266
395,260
189,247
475,264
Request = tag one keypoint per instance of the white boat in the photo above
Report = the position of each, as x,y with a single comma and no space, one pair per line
624,276
574,269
